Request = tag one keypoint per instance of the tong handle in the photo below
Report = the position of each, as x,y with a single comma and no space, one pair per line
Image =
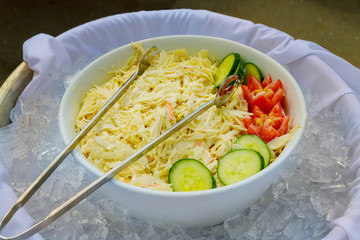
224,94
29,192
64,153
66,206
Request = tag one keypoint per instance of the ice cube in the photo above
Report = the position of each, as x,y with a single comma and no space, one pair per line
149,234
309,194
279,221
21,174
175,233
96,231
320,229
296,230
237,225
132,236
336,211
217,231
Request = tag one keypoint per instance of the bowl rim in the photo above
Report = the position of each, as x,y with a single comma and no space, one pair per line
219,190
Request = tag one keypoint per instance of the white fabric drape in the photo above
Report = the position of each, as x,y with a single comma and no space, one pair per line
311,65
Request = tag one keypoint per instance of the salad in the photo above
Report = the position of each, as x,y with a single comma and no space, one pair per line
220,147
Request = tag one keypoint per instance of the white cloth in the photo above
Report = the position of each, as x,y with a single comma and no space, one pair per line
312,66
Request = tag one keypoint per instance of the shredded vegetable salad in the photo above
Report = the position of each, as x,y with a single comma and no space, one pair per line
175,85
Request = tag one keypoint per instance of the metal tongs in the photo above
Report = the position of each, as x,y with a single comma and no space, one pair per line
223,96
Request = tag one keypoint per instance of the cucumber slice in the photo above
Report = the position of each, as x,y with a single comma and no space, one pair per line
227,67
250,141
190,175
252,69
238,165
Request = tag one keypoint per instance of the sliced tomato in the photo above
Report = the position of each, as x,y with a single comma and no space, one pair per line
266,81
265,95
263,102
256,130
275,86
269,133
257,112
277,109
276,121
276,115
247,96
283,129
267,126
247,122
254,84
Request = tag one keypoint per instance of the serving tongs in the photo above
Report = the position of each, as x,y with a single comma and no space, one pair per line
223,95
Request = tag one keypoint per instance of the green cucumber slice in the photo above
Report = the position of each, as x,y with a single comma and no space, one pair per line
250,141
227,67
238,165
190,175
252,69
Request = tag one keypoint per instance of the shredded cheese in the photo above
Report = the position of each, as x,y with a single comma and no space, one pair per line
174,86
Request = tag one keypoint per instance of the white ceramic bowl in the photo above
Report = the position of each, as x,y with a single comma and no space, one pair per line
186,209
